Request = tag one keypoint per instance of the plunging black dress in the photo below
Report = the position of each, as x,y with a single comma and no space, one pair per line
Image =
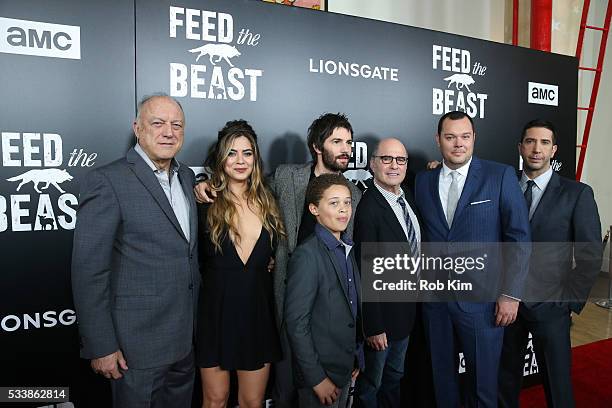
236,328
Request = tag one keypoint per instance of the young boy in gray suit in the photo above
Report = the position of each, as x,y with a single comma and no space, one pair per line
322,304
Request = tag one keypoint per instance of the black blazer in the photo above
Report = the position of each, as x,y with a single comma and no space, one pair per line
322,331
375,221
564,226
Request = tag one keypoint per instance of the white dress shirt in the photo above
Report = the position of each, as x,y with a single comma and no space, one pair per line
171,184
538,189
399,213
446,179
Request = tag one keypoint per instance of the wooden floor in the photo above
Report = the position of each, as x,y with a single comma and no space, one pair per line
594,323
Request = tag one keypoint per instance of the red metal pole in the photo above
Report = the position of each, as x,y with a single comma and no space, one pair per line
596,80
515,21
541,24
583,23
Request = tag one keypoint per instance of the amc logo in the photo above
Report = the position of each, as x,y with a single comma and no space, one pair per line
543,94
40,39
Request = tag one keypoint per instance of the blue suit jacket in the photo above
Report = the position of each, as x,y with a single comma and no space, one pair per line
491,209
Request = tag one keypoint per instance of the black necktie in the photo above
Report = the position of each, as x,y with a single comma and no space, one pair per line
529,193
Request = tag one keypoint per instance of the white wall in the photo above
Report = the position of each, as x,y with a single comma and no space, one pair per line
597,170
474,18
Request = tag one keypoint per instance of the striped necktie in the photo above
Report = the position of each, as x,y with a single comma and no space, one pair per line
412,239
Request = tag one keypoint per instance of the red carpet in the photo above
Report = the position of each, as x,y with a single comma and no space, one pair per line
591,376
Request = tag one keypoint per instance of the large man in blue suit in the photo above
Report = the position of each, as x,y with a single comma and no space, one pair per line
470,200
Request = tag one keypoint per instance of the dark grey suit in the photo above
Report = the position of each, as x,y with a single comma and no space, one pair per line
565,227
135,277
289,186
289,183
320,323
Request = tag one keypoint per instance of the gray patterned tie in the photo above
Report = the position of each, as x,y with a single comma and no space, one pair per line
453,198
412,239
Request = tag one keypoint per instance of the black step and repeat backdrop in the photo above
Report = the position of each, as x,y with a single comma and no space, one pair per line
71,73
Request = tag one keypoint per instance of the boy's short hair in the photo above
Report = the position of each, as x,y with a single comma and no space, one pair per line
318,185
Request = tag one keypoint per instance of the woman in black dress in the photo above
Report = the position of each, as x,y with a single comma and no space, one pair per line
237,233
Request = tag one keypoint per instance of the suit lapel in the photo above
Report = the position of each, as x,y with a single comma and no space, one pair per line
339,273
355,193
146,176
471,182
434,188
413,207
187,185
553,189
357,274
389,215
301,177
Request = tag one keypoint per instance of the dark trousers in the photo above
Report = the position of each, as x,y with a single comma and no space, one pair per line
284,392
379,384
158,387
551,343
479,339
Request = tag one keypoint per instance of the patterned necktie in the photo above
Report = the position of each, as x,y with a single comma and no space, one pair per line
453,198
529,194
412,239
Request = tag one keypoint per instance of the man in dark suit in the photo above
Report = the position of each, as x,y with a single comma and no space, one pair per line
565,228
470,200
135,274
386,213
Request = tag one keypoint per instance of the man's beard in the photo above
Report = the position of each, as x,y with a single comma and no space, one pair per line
330,162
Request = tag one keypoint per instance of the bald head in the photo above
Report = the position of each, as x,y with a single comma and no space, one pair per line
390,143
388,173
159,128
148,99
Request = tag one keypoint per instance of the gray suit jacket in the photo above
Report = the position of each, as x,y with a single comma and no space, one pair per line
289,184
135,277
320,324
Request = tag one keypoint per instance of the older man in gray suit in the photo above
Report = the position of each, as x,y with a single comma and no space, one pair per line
135,268
330,140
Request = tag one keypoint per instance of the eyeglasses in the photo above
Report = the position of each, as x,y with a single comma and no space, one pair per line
400,160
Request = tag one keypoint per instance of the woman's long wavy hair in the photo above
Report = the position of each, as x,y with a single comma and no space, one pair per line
222,212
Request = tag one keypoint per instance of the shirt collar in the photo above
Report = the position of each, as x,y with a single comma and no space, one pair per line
388,194
328,238
174,164
463,170
541,181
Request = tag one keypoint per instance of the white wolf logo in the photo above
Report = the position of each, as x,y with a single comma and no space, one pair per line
47,176
358,176
460,81
221,51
